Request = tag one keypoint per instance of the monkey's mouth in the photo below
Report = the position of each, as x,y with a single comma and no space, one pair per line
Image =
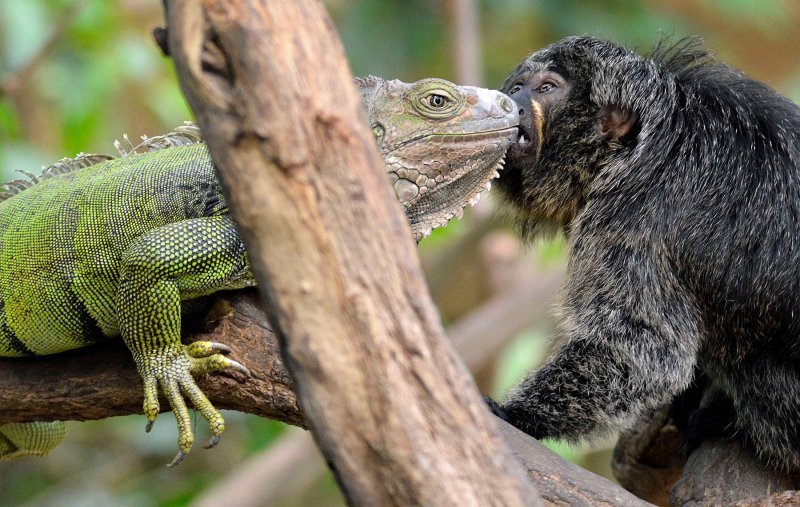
524,147
523,138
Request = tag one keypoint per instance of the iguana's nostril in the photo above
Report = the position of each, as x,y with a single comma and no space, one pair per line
506,104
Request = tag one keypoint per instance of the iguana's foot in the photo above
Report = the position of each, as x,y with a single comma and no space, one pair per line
173,369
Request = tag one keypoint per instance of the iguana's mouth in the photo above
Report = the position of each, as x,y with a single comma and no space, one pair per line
428,137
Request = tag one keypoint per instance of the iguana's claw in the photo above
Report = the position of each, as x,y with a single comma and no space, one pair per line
149,426
205,349
177,459
214,440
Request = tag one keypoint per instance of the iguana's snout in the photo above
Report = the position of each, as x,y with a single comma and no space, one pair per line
490,105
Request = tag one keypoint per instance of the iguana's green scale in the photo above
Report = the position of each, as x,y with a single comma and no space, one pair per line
95,232
18,440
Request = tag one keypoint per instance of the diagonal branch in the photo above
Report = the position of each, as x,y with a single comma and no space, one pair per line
390,405
102,381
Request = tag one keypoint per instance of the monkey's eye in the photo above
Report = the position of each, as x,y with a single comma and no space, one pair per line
438,101
546,87
514,89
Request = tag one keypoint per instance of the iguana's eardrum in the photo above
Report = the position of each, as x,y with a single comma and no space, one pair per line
99,247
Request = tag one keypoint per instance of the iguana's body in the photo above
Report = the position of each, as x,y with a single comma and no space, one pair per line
112,248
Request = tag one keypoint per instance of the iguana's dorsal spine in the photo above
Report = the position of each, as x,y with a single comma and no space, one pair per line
63,166
188,133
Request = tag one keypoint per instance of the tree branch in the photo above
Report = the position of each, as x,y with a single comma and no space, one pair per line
389,403
102,381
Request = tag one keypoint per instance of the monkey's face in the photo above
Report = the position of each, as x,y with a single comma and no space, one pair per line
536,92
566,138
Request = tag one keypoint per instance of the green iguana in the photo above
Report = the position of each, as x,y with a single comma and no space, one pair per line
99,247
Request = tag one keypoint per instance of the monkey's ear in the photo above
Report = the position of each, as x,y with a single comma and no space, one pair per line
616,121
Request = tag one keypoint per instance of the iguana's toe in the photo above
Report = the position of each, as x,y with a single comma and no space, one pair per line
214,440
173,392
151,406
216,362
205,349
215,421
177,459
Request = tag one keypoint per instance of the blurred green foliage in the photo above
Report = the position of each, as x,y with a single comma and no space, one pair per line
103,76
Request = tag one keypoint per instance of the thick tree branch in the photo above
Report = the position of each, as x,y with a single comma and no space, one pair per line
649,461
389,403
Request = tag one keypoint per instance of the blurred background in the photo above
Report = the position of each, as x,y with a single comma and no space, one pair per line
75,75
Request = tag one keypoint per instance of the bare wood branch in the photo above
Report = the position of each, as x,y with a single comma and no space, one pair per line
649,461
649,457
269,85
722,472
784,499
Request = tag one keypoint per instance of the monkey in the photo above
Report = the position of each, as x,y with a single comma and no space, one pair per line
676,181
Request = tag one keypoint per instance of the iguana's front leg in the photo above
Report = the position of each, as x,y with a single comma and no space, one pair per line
178,261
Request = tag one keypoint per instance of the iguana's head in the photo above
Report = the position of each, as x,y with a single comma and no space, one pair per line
442,143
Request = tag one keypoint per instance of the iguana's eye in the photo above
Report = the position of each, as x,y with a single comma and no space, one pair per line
437,101
378,131
440,102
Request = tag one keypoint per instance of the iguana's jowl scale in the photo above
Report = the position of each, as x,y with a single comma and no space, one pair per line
101,247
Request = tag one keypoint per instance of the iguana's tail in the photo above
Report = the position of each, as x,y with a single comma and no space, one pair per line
19,440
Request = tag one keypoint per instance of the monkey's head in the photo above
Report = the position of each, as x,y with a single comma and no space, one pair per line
573,122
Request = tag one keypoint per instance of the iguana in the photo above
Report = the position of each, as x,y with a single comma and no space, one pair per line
99,247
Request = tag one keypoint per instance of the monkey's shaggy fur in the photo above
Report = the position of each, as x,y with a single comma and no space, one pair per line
684,236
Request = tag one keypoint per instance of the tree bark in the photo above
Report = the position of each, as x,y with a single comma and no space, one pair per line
390,404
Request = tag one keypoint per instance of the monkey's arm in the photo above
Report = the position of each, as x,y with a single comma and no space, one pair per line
629,342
